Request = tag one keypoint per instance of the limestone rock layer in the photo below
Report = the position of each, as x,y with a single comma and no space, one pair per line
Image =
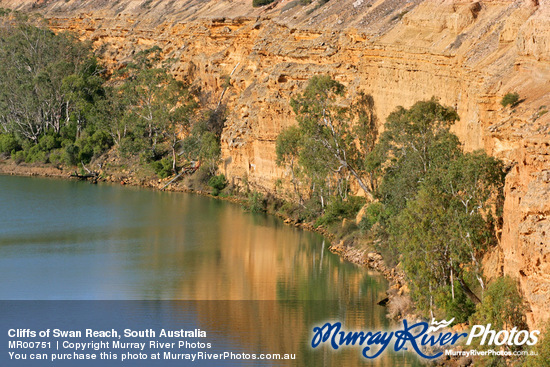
469,54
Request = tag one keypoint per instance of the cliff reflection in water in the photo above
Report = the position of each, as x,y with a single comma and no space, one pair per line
267,284
259,285
300,285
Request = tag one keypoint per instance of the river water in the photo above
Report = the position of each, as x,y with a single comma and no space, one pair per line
253,282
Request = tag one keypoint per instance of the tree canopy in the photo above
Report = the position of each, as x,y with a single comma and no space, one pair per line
47,79
57,105
326,150
439,205
436,208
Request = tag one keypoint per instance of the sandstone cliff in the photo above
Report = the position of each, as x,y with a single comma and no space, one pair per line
469,54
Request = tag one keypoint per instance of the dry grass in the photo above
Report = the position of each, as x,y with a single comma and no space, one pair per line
399,306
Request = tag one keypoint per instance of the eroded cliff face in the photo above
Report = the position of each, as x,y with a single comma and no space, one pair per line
469,54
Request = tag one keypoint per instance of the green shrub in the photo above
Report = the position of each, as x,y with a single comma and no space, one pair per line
93,144
101,141
257,3
373,214
68,132
288,209
218,183
35,155
40,157
48,142
510,99
146,156
300,213
311,210
273,204
502,307
256,203
163,168
8,143
460,308
70,153
338,209
85,150
348,231
130,146
18,156
56,156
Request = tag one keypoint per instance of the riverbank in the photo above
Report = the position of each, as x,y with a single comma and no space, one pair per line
8,167
398,302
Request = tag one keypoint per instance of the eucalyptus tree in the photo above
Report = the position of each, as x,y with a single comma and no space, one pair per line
331,139
161,107
287,149
45,78
440,205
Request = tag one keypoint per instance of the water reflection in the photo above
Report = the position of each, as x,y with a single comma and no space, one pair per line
70,240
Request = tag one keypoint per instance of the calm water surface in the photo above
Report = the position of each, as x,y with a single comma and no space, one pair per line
260,284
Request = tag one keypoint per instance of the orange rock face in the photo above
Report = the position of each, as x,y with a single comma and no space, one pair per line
469,54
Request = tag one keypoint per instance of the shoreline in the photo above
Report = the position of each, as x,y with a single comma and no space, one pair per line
361,257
